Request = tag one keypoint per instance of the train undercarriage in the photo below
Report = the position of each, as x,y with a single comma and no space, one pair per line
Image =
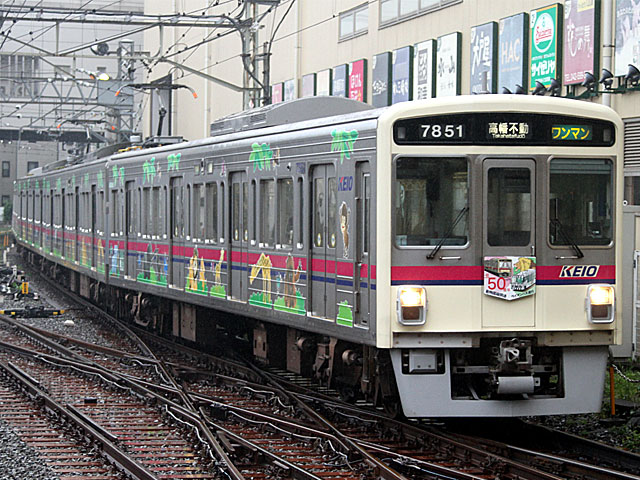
357,372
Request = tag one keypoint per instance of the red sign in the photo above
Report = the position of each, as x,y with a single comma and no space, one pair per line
358,80
277,93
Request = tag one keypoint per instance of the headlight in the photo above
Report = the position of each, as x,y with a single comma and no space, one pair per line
412,305
600,303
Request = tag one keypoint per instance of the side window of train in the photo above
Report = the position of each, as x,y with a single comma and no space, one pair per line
177,211
332,211
130,209
285,212
115,213
211,233
268,212
325,211
157,214
199,209
146,210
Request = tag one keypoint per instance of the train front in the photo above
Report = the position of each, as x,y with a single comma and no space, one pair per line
503,226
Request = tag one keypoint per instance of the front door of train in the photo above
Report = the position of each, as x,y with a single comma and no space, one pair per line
509,243
324,239
239,235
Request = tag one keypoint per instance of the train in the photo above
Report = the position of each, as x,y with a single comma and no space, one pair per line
357,246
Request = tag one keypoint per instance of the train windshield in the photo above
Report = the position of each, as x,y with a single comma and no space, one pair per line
430,193
580,201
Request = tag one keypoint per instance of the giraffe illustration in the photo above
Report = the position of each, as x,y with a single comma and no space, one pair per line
263,265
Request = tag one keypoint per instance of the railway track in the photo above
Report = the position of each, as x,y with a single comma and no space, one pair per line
253,424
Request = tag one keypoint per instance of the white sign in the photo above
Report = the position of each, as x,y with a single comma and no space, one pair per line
447,65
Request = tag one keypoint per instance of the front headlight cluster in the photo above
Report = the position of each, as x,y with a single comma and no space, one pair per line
600,303
412,305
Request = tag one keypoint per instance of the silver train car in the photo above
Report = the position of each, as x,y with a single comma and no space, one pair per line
454,257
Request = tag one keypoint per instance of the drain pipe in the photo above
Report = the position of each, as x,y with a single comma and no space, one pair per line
607,43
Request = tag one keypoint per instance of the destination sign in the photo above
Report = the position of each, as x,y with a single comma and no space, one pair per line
497,128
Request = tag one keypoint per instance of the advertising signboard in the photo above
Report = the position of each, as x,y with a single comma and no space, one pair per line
358,80
339,84
309,85
545,37
401,69
424,67
513,35
289,90
323,82
483,58
448,65
627,36
381,80
277,92
581,35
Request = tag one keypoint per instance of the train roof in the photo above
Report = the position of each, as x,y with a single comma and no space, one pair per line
297,114
311,108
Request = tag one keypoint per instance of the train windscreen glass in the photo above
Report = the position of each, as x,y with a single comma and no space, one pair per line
429,195
580,201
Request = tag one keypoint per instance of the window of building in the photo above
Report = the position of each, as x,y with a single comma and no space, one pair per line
32,165
392,11
6,169
354,22
5,200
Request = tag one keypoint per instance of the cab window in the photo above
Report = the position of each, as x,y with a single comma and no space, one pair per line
430,194
580,201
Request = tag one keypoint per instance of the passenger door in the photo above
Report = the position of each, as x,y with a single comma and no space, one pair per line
324,239
92,222
176,236
239,235
509,231
362,232
132,212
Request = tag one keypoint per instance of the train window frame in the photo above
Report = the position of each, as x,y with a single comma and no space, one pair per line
211,213
199,212
612,202
469,195
265,207
280,203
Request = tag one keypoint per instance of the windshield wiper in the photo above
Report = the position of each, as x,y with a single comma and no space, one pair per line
446,236
565,236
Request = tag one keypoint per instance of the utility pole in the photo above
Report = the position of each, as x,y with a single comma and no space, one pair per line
249,34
